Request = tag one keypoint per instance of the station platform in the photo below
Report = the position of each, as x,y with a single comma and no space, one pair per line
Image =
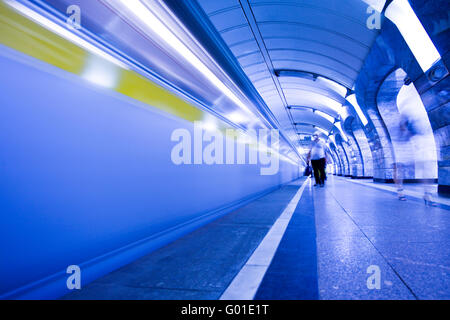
300,242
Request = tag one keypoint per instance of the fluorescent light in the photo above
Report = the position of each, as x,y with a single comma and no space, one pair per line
341,131
333,85
236,117
315,100
423,49
325,116
322,130
209,126
333,104
332,139
352,99
68,35
147,17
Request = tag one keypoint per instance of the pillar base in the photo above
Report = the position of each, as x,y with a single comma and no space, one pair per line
407,180
358,177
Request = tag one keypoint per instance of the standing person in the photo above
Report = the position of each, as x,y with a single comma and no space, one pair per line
401,135
404,136
318,157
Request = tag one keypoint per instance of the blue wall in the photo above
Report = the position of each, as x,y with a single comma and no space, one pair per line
86,179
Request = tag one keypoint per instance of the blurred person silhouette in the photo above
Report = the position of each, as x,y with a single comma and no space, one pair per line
318,156
406,136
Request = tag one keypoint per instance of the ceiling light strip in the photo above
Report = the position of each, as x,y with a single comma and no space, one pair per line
150,20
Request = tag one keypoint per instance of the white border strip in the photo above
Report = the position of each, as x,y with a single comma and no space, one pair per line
247,281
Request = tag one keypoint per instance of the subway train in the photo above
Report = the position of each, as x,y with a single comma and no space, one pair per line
86,140
126,125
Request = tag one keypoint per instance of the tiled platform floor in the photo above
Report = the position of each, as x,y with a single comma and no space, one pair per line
334,238
201,264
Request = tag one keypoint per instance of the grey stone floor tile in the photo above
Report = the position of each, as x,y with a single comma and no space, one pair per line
342,266
108,291
199,263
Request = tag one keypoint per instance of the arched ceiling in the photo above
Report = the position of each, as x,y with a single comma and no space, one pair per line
301,55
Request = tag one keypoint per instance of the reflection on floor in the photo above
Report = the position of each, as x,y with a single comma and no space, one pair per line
359,227
415,190
345,241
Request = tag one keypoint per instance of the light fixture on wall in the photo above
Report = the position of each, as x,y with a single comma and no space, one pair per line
352,99
423,49
325,116
321,130
341,131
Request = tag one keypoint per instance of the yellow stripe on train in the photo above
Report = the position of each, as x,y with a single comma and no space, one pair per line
24,35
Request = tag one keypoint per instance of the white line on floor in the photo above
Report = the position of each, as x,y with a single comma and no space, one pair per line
247,281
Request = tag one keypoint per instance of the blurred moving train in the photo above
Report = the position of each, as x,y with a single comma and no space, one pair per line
87,116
